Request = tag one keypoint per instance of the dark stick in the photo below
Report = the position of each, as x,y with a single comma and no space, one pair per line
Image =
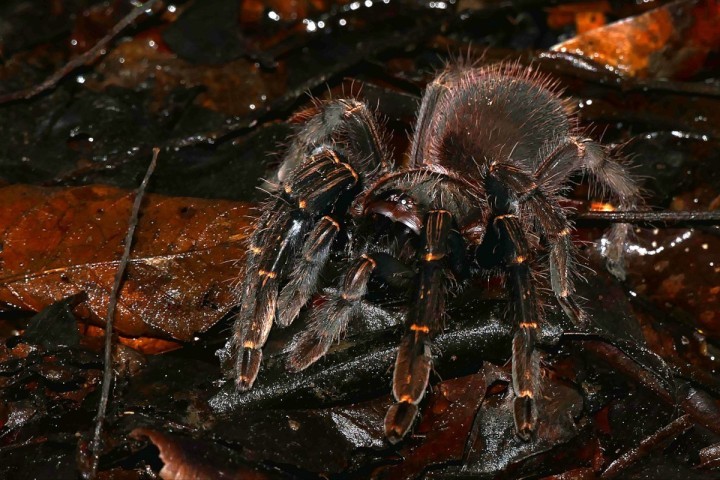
669,431
88,57
675,219
108,371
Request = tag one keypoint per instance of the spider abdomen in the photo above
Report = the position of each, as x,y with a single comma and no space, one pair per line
498,113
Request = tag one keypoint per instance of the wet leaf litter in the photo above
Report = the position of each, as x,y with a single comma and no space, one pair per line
219,136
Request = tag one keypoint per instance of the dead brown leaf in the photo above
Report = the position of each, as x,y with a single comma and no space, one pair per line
58,242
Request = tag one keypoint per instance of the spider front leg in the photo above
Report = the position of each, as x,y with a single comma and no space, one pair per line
263,267
328,322
414,357
527,315
316,187
338,150
304,275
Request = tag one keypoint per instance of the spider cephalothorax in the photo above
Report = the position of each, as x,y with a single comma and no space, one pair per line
491,156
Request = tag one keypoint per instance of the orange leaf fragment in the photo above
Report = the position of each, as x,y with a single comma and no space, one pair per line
144,345
58,242
671,41
585,15
587,21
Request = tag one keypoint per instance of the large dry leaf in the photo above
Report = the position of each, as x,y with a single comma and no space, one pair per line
58,242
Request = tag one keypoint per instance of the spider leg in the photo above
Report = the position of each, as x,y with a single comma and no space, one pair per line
557,165
248,289
320,183
525,357
344,124
427,122
551,176
540,205
589,156
349,127
304,276
257,310
414,357
614,177
329,321
562,253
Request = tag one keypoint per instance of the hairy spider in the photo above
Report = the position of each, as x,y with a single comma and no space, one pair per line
490,159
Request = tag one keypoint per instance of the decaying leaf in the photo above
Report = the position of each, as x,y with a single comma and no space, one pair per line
188,458
58,242
668,42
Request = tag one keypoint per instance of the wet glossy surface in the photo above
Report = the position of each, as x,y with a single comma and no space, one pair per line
216,86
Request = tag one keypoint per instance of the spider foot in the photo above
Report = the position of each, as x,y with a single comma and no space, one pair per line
573,311
412,368
525,415
410,379
398,421
248,366
614,249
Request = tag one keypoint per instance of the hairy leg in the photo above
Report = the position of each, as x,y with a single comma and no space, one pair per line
527,313
414,357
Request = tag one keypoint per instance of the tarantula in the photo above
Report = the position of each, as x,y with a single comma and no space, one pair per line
491,157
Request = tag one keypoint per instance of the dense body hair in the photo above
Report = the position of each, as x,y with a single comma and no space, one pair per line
497,113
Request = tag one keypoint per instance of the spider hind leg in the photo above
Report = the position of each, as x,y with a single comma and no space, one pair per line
613,176
607,173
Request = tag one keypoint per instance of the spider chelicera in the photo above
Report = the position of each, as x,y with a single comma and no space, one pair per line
490,160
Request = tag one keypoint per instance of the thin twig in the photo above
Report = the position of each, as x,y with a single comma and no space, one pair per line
669,431
108,370
86,58
675,219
